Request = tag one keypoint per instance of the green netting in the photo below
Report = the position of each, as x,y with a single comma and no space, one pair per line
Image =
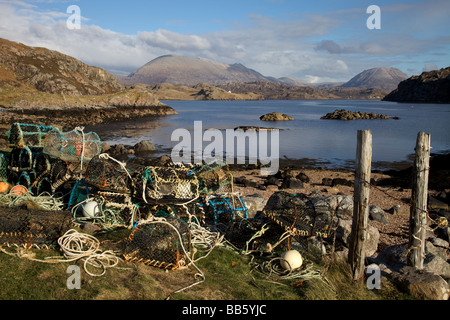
28,134
73,146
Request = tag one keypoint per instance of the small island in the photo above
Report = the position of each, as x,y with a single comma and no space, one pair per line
276,116
358,115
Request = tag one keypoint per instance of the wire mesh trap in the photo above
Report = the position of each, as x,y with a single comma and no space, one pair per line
29,135
166,184
225,208
32,228
296,213
72,146
107,174
163,243
214,177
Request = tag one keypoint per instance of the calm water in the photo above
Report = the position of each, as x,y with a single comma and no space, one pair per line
331,143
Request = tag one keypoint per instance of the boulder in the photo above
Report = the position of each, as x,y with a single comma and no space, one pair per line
291,183
345,208
421,284
344,229
275,116
254,203
378,214
144,146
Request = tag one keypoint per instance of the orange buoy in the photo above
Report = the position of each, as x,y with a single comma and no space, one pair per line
19,190
4,187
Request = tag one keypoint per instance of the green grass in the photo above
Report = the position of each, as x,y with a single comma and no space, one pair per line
228,276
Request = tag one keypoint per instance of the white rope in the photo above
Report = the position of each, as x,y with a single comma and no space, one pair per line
81,246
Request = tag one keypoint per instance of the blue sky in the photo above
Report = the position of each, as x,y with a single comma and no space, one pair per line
316,41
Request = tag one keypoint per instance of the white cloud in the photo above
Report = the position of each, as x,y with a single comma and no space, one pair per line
303,46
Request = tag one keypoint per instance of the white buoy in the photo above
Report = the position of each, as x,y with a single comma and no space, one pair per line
91,209
291,260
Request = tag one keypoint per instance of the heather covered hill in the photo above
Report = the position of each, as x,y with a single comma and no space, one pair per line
432,87
50,71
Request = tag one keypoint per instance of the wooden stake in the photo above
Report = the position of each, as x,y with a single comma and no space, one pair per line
419,196
358,234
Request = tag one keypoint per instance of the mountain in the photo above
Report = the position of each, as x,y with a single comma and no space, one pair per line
382,78
432,87
190,72
52,72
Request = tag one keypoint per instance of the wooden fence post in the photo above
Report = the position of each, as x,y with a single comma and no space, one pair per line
419,197
358,234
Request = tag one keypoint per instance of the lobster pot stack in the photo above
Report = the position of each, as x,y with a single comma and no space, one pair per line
166,185
163,243
26,141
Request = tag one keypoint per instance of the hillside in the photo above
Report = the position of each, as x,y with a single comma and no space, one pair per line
382,78
276,91
50,71
432,87
41,86
190,72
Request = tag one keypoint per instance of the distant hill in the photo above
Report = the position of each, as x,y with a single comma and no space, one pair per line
50,71
432,86
382,78
190,71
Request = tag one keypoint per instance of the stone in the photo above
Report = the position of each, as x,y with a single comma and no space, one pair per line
344,229
340,181
291,183
316,247
378,214
303,177
421,284
345,208
144,146
399,209
254,203
105,146
436,205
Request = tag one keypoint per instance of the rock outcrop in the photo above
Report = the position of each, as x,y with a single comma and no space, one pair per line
350,115
431,87
50,71
276,116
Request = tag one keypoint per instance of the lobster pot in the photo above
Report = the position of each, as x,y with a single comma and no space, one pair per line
188,212
32,228
72,146
4,166
159,243
166,184
298,214
226,208
108,175
63,171
29,135
214,177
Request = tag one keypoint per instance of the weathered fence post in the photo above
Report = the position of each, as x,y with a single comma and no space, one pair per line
358,234
419,196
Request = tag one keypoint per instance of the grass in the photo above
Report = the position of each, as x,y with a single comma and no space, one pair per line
228,276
